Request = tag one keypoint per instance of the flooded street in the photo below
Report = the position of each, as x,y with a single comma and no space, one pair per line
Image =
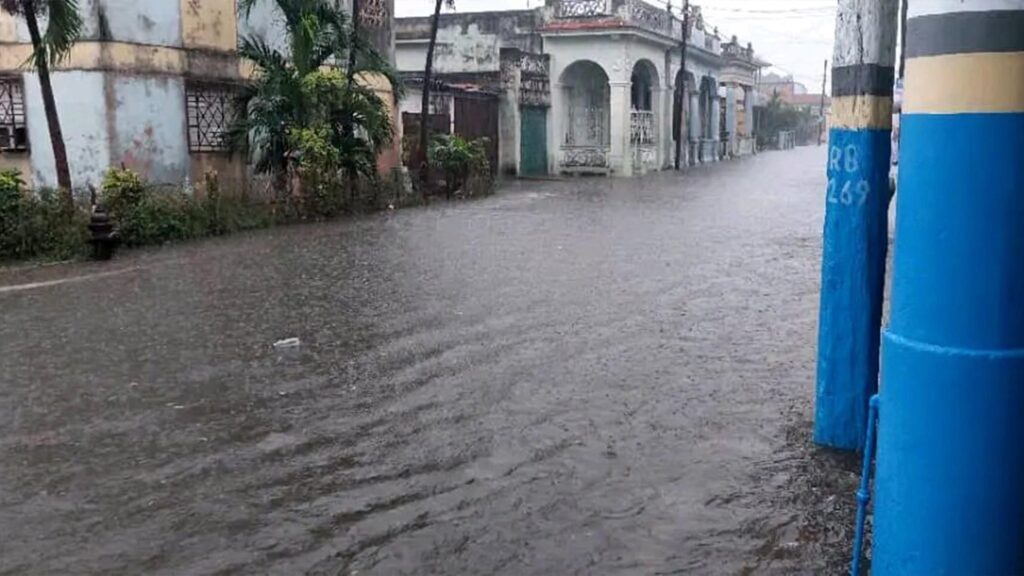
583,377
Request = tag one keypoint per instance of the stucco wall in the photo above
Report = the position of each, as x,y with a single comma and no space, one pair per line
457,50
209,24
410,56
121,94
137,21
142,22
466,42
84,121
266,22
149,127
8,27
109,119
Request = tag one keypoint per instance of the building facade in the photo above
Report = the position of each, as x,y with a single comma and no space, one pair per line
591,86
150,85
739,78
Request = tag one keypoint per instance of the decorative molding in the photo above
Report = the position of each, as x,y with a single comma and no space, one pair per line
580,8
584,157
374,14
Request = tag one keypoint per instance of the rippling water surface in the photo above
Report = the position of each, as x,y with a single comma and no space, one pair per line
583,377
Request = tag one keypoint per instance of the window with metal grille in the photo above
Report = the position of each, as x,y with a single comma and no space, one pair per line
210,111
13,133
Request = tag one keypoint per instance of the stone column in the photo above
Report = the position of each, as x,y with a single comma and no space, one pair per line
696,132
730,118
509,122
751,97
716,122
558,117
619,159
663,121
665,148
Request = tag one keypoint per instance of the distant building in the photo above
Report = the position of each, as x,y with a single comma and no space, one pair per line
589,86
810,103
740,69
785,86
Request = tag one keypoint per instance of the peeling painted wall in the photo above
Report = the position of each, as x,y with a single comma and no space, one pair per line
209,24
149,22
79,97
149,126
138,21
467,42
121,93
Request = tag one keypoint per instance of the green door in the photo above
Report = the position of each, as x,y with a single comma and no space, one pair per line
534,142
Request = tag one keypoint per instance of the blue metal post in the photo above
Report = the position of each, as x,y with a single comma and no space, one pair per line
949,493
864,491
856,220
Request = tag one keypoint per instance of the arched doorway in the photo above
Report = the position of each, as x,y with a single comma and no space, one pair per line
643,82
585,139
643,119
682,109
708,94
708,122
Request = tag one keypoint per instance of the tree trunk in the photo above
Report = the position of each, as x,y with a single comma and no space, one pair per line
425,103
903,38
60,152
351,72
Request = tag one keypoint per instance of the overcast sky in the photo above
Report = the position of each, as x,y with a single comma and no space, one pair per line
794,35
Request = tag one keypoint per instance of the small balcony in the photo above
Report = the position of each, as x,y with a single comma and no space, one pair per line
636,13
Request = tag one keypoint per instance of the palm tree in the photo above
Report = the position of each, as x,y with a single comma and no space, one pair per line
428,71
302,90
49,49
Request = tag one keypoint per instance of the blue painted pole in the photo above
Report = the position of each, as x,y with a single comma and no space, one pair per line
856,220
864,491
950,468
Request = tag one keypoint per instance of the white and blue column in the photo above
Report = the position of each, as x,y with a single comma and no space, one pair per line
856,220
950,464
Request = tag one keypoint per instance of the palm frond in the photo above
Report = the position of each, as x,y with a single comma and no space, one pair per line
258,51
306,93
62,30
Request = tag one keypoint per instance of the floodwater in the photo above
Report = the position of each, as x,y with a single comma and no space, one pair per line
582,377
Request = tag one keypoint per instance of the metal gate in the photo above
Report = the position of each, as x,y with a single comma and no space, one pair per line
476,116
412,156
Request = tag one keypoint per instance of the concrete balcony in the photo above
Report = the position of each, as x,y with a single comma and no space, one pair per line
591,14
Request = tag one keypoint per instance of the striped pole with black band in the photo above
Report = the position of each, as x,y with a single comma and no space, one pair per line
950,480
856,220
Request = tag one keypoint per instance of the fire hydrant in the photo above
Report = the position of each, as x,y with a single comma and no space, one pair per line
104,238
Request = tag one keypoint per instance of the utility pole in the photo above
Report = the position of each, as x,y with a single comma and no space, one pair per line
951,408
680,90
903,38
821,109
856,220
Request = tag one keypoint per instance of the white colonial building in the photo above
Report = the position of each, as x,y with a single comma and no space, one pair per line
590,86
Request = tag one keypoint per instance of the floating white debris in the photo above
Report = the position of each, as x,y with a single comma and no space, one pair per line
288,343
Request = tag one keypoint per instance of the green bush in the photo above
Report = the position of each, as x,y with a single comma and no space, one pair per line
38,226
161,217
12,199
123,190
145,215
463,163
